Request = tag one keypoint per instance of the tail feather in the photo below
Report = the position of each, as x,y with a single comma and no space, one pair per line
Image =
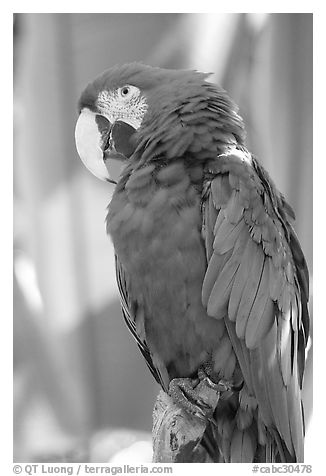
244,446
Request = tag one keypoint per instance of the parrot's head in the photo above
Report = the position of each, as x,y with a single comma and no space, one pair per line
137,111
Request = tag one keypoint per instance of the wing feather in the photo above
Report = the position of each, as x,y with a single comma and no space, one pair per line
129,313
214,268
276,389
261,316
235,207
254,275
221,191
220,293
284,348
227,236
240,282
241,352
212,214
219,222
257,280
259,323
243,446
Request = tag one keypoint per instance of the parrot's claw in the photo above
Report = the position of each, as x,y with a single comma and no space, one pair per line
184,392
221,386
206,374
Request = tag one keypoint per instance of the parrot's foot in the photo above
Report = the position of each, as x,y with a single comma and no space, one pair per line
219,386
206,373
196,397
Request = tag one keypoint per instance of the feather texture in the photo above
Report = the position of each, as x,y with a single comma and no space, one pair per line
209,268
243,446
256,292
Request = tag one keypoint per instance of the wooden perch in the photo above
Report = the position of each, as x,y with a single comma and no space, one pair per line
176,433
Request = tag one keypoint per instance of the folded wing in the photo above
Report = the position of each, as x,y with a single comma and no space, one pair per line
257,281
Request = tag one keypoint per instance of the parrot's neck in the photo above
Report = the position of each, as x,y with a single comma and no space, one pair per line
196,131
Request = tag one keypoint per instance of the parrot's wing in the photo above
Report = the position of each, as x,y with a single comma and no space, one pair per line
130,309
257,281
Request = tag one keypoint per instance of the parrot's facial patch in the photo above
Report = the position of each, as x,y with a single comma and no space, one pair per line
126,104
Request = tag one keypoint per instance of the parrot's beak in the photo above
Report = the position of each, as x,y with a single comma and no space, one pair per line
96,148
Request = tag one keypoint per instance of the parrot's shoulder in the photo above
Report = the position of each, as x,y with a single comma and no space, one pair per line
238,173
242,188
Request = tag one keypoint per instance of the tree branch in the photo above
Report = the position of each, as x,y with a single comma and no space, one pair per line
176,433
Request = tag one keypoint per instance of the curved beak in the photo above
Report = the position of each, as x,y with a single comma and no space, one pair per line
89,144
103,146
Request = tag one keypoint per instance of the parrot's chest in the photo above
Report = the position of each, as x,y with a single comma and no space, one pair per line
155,226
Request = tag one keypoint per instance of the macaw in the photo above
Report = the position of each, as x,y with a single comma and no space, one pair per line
213,281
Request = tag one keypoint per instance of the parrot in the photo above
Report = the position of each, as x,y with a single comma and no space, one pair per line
213,282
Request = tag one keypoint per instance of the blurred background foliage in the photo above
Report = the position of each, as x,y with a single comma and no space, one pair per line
81,389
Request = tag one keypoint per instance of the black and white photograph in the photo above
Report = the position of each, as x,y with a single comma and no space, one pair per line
163,257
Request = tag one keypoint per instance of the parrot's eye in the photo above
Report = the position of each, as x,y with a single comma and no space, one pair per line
125,91
128,91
